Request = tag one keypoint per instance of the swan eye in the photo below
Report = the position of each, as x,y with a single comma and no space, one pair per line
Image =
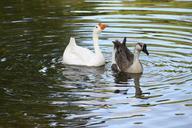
96,27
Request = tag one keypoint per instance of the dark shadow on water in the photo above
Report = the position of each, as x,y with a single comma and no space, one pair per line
124,79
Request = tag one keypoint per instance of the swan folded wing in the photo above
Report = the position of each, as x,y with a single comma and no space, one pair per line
76,55
82,55
68,55
76,58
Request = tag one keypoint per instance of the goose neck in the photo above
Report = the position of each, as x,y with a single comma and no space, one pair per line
136,55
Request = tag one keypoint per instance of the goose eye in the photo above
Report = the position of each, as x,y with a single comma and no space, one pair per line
96,27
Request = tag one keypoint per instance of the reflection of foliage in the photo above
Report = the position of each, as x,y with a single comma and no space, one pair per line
33,36
33,39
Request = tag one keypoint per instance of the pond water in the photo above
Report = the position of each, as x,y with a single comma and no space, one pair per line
37,90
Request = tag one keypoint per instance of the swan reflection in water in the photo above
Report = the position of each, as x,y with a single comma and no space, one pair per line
82,74
122,78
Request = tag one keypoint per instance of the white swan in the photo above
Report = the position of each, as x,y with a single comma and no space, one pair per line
76,55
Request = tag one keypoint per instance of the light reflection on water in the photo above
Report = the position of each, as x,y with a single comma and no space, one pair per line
46,93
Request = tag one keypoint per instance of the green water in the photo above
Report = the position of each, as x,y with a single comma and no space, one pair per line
38,91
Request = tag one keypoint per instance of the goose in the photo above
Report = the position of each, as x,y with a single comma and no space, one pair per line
77,55
123,60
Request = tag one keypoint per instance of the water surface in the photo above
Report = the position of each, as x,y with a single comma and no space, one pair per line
37,90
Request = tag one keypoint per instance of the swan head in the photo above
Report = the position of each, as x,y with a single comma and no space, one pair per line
142,47
99,28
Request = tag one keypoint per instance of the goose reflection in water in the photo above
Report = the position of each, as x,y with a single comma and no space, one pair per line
122,78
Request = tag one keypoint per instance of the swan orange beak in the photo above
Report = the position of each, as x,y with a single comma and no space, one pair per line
102,26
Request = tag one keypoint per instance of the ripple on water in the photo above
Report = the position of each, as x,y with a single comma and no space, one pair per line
97,97
165,84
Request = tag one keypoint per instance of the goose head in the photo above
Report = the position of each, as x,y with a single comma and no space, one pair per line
141,47
99,28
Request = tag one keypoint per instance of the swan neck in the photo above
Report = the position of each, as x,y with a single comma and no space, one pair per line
95,43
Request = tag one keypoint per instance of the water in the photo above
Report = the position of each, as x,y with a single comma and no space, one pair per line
36,90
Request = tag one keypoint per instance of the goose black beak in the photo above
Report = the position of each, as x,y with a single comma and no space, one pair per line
145,49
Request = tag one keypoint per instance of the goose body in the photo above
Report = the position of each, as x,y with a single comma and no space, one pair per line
123,60
77,55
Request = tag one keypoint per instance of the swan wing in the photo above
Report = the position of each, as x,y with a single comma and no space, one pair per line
83,54
76,55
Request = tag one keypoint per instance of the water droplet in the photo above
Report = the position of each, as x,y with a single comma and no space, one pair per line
3,59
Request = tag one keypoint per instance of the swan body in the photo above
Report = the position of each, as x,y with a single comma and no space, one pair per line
123,60
76,55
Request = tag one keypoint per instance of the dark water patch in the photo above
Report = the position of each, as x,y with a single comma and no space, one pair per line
188,105
138,123
37,90
179,114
